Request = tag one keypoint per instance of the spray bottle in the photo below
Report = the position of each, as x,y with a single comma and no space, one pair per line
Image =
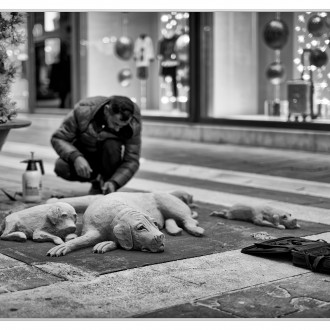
31,179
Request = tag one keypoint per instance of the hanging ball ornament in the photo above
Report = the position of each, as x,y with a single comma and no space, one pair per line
318,58
276,34
275,73
124,48
316,25
125,77
182,48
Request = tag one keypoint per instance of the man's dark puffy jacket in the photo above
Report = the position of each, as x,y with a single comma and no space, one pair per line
79,125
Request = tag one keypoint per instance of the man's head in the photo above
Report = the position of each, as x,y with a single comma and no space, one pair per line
118,112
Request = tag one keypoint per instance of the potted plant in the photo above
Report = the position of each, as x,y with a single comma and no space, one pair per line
10,37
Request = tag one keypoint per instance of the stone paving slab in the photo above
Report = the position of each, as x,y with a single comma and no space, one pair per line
12,158
275,162
187,311
287,163
141,290
16,276
7,262
238,178
300,296
270,193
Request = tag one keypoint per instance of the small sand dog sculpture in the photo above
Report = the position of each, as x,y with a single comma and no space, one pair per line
128,220
42,223
261,215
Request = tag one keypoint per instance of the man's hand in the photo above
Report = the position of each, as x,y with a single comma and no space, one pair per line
82,167
108,187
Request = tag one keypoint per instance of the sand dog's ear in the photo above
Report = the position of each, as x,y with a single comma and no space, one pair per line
123,233
276,219
53,214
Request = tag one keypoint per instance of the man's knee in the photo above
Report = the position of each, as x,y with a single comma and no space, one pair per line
63,169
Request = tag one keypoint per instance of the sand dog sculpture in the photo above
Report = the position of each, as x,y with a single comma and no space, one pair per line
261,215
42,223
128,220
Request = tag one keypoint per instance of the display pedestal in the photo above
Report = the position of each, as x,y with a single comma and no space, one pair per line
6,127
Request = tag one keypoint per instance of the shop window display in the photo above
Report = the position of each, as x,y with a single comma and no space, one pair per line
311,35
144,56
265,66
173,55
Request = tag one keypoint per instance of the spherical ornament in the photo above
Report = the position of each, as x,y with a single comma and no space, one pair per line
182,48
318,58
275,73
125,77
124,48
276,34
316,25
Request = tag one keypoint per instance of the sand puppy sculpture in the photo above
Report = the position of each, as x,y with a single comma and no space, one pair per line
128,220
42,223
261,215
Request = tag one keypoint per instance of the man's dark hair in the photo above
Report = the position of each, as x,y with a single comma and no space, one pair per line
122,105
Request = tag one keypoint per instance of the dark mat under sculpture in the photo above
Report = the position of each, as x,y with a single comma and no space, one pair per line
220,235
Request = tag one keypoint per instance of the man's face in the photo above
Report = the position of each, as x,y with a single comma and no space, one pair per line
116,119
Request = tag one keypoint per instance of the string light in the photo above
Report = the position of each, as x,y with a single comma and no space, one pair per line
307,40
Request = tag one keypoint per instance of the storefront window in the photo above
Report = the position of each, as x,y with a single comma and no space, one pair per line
265,66
311,43
229,64
51,42
144,56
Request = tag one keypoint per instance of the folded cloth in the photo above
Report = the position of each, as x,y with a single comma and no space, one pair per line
315,258
281,246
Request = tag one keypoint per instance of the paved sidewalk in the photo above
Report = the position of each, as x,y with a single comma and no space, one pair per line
221,285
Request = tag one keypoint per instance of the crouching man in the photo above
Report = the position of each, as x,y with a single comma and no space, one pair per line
99,141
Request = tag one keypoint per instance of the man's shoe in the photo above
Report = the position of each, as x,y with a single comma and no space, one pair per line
95,188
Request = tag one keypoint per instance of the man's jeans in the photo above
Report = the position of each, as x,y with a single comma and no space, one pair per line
104,161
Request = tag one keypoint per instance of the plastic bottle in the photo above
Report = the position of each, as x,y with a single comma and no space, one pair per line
31,180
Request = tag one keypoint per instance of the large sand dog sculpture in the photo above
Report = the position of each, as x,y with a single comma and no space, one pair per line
128,220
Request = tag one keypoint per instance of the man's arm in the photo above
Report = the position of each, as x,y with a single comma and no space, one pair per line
63,137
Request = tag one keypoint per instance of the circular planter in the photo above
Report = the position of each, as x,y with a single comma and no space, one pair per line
6,127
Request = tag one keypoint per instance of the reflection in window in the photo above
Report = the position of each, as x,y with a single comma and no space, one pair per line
173,55
144,56
52,20
52,50
37,30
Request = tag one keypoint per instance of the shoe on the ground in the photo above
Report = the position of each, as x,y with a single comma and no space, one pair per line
95,188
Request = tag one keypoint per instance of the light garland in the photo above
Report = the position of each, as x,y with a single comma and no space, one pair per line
306,40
